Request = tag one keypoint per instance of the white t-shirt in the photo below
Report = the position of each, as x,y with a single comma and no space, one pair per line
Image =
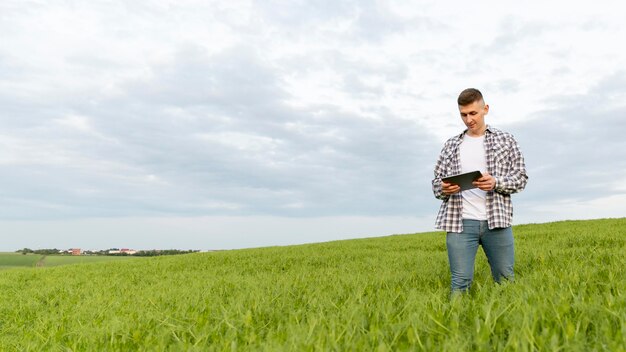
473,158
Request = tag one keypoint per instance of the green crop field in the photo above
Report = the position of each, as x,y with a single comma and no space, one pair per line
56,260
383,294
17,260
12,260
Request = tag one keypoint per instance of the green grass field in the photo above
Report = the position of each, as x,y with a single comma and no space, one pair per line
18,260
56,260
13,260
383,294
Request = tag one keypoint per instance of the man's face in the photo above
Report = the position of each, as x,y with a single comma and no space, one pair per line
473,116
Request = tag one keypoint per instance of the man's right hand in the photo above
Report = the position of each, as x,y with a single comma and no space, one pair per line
450,188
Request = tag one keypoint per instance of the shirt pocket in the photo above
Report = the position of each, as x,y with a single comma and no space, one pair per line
502,159
450,162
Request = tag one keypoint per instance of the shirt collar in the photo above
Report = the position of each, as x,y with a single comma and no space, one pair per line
488,129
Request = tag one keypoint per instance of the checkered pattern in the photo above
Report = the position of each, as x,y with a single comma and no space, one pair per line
504,162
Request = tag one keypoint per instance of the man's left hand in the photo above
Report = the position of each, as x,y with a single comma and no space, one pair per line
486,182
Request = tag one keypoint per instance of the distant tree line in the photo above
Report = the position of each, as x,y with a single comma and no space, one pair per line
142,253
46,251
155,252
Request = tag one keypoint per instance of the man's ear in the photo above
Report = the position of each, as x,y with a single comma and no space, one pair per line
486,109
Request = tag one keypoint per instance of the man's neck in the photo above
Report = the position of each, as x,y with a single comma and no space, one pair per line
480,133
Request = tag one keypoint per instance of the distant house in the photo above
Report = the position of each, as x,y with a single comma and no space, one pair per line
123,251
75,251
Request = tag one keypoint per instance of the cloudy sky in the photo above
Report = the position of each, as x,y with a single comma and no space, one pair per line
232,124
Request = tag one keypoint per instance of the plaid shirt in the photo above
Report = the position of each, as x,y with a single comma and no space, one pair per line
504,162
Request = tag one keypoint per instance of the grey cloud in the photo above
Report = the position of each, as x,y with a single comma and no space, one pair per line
354,84
359,78
303,14
504,85
369,21
196,79
513,31
575,150
375,23
212,135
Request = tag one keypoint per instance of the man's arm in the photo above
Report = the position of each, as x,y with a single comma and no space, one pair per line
439,170
443,190
515,179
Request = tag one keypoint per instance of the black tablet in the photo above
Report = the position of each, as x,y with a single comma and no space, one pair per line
464,180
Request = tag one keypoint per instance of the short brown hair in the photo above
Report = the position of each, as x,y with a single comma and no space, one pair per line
469,96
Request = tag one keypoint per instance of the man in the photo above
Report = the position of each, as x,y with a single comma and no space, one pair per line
482,215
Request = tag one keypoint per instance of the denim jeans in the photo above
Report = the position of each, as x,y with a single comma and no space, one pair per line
462,247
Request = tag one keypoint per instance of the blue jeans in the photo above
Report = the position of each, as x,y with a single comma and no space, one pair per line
462,247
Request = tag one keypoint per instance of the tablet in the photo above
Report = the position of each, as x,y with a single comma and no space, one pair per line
464,180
